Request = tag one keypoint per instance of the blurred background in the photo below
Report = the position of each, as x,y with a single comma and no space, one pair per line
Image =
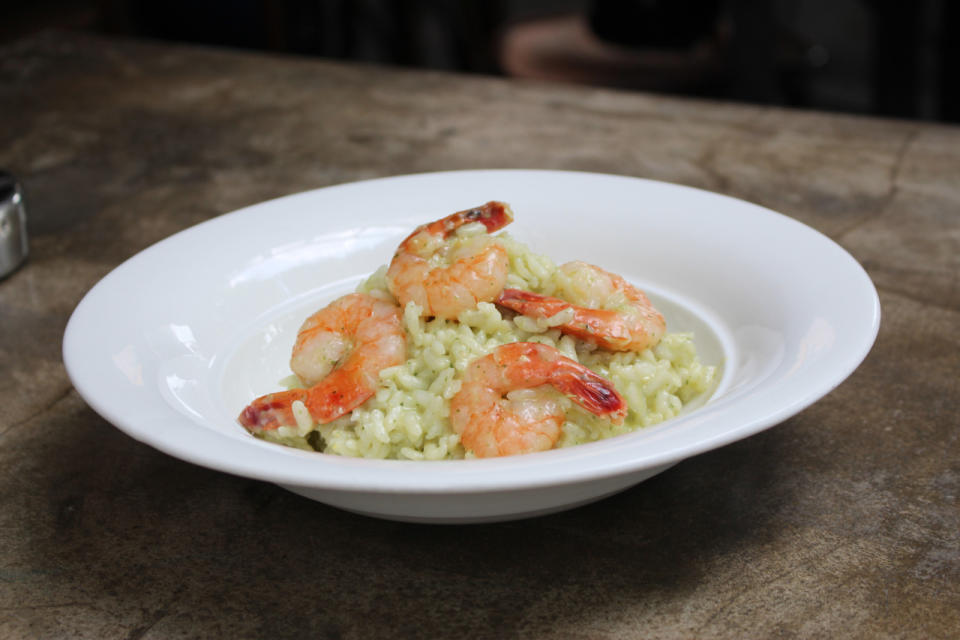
878,57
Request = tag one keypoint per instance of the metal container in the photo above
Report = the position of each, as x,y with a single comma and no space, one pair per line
13,225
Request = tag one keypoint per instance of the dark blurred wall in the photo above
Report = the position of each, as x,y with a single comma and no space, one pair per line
882,57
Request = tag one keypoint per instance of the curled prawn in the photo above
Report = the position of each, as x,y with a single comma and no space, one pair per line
605,309
339,353
493,419
445,278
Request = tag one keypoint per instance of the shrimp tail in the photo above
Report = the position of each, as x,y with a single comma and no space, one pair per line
594,325
493,215
326,401
594,393
271,411
531,304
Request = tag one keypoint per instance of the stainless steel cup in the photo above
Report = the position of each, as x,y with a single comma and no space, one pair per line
13,225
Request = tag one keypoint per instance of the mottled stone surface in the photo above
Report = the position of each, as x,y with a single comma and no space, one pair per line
841,522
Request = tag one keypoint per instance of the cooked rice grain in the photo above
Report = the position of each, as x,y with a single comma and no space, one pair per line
409,416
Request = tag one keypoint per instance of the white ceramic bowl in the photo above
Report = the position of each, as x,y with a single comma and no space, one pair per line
172,344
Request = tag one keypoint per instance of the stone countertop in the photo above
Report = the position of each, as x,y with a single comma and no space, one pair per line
840,522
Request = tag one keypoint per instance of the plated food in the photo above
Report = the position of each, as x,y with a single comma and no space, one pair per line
174,370
468,344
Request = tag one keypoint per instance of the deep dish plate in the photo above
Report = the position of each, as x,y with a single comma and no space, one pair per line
173,343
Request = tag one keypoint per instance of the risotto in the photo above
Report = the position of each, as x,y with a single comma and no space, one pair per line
408,416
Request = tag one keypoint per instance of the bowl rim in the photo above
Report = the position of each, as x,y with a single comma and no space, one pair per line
253,458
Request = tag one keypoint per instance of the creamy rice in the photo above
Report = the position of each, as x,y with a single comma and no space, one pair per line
409,416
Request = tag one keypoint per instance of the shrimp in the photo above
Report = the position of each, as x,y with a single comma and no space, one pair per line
493,419
606,309
339,353
445,278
